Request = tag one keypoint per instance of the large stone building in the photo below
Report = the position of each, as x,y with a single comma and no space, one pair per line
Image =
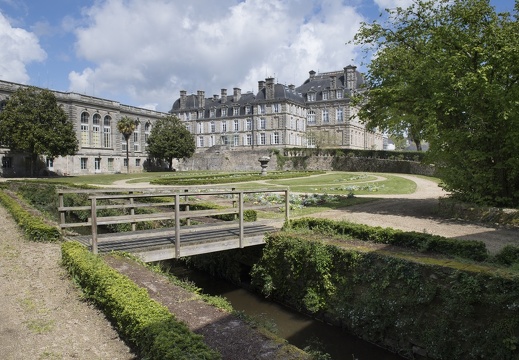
316,114
102,149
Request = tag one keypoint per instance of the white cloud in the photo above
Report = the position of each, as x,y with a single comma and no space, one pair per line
152,49
19,48
391,4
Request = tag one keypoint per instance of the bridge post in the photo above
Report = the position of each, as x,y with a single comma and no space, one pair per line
61,205
177,226
93,221
287,206
132,211
240,215
188,220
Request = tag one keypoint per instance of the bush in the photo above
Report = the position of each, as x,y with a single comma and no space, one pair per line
148,325
509,255
34,228
468,249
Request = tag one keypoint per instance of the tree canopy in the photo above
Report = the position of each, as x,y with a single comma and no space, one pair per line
127,126
447,71
169,139
32,122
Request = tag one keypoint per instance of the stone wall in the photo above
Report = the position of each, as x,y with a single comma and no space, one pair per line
225,159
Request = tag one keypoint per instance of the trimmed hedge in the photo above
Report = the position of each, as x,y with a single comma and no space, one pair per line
468,249
145,323
34,228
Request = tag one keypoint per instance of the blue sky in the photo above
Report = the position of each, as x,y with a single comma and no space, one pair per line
143,52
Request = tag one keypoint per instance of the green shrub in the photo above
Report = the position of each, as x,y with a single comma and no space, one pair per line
148,325
34,228
468,249
509,255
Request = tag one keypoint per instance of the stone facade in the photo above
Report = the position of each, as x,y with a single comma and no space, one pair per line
316,114
102,149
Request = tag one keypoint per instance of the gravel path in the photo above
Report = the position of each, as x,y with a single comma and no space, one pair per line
419,212
42,314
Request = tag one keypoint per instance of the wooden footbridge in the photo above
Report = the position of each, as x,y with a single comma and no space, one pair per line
178,223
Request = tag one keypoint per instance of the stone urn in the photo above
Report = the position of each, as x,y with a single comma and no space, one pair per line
264,160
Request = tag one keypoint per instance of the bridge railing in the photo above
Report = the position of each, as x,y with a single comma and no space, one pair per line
123,199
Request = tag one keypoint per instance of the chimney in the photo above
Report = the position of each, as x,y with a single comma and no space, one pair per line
312,74
292,88
224,95
261,85
201,98
215,97
350,75
269,88
333,82
237,94
182,99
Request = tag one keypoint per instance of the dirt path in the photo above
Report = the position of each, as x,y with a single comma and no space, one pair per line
42,314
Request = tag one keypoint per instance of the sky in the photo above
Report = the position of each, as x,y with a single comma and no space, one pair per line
143,52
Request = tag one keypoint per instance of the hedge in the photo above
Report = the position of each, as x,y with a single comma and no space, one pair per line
146,324
407,306
468,249
34,228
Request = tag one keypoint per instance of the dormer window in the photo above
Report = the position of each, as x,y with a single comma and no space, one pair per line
247,109
236,111
212,113
310,96
339,94
224,112
325,95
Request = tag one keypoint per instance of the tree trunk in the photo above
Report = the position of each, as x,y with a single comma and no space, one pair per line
418,144
127,157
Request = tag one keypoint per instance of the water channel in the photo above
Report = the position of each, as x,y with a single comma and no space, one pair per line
299,330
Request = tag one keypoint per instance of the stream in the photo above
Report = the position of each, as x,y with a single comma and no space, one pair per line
298,329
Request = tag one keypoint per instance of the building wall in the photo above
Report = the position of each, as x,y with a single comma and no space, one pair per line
101,146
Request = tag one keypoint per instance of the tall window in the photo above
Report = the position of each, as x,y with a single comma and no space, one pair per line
261,109
310,117
200,141
276,108
311,141
236,140
248,124
110,164
263,139
84,163
136,140
7,162
263,123
107,132
50,163
236,125
97,164
248,139
200,127
147,131
123,143
96,131
85,137
326,117
275,138
224,126
340,115
213,126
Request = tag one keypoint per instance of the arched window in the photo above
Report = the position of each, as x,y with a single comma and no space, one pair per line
85,137
147,131
107,132
96,131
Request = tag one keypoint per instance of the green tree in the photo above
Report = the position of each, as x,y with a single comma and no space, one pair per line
447,71
169,139
127,126
32,122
